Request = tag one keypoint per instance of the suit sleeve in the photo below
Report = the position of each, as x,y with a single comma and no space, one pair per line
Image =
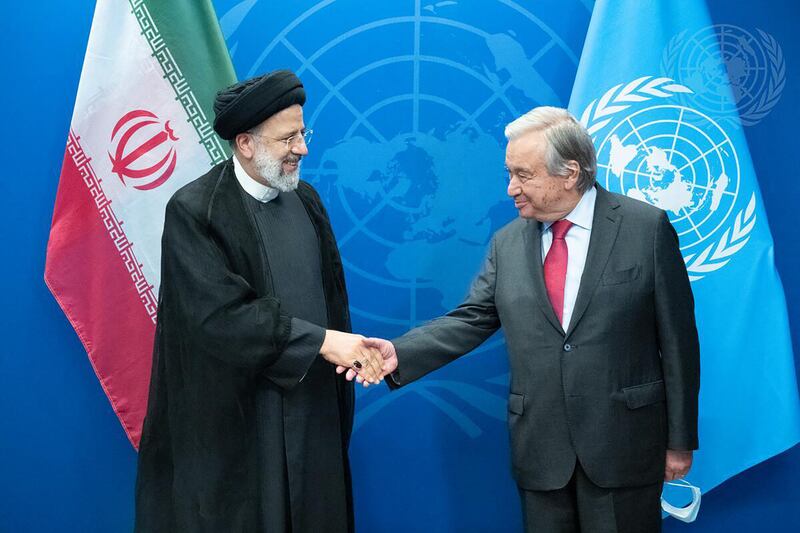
217,311
433,345
677,337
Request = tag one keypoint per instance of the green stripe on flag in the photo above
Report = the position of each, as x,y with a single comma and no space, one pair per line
186,39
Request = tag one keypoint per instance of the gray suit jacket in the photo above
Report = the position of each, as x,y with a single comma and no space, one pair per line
615,390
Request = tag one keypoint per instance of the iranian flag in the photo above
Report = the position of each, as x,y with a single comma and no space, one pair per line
141,129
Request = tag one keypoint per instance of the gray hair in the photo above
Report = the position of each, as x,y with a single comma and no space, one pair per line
567,140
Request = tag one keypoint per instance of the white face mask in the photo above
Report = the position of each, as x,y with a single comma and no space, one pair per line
684,514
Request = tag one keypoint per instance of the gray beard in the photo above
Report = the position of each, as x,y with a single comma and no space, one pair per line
269,169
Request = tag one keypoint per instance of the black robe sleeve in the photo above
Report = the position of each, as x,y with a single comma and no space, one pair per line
219,312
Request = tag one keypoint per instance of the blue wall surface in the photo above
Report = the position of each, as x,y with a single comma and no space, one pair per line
65,463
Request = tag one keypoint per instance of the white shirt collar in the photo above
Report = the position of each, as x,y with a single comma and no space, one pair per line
583,213
257,190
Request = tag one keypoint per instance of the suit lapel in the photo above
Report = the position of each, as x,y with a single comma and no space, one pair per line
533,251
605,226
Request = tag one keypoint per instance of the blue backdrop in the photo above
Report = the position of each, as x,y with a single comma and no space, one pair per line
403,208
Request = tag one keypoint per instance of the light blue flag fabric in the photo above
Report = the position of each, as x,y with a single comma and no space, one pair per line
654,92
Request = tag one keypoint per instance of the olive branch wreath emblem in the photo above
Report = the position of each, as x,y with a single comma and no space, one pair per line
759,108
601,111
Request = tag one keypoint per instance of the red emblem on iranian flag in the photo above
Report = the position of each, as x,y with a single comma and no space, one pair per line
135,99
140,139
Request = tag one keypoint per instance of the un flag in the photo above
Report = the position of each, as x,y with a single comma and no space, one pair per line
658,88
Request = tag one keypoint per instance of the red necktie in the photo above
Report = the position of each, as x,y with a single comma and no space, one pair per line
555,267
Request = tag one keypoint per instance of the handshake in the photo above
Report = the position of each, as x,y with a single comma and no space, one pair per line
367,360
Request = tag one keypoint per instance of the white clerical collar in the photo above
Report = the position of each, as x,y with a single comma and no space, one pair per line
583,213
257,190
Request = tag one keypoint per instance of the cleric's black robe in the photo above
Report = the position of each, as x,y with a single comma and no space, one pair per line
220,353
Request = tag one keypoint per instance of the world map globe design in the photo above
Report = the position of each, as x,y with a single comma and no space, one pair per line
408,109
740,62
737,77
414,210
677,159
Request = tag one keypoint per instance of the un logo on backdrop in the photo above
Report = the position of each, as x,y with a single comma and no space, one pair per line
732,71
408,102
675,158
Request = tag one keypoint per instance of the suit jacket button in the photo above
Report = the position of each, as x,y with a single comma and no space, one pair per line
568,347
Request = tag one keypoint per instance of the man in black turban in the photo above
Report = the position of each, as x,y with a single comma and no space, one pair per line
248,424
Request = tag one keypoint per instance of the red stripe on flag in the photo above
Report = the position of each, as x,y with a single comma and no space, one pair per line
94,276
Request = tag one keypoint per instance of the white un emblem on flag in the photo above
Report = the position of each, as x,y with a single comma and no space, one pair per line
675,158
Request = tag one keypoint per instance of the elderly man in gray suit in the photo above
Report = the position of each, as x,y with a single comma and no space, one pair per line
594,299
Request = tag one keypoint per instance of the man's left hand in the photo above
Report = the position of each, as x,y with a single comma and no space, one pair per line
678,464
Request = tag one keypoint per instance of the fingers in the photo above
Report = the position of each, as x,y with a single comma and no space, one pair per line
346,350
350,375
671,474
371,364
376,357
374,342
388,362
678,464
370,373
387,351
366,371
376,364
385,347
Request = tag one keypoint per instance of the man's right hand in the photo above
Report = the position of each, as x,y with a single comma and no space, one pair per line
349,351
388,353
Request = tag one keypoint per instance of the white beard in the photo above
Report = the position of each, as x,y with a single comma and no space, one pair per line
269,169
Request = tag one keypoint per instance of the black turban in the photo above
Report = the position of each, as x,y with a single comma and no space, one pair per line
249,103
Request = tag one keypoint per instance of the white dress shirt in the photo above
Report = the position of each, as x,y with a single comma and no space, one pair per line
577,240
257,190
